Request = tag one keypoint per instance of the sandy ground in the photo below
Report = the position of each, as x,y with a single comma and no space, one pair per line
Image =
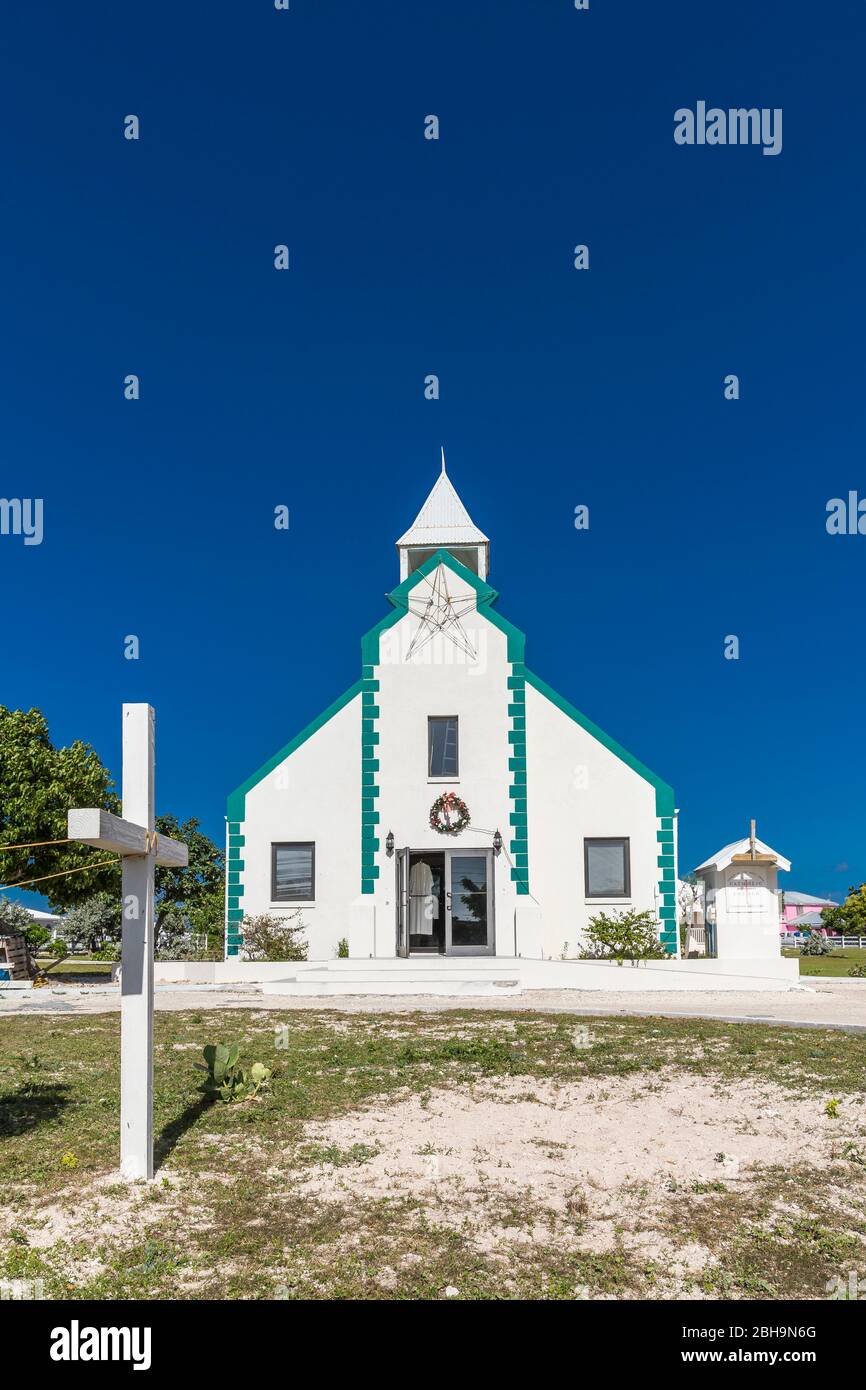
524,1135
822,1003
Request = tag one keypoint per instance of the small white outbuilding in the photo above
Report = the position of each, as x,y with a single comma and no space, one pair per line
741,897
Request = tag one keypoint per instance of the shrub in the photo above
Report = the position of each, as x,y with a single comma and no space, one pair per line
14,918
94,923
273,938
858,971
623,935
58,948
225,1078
815,945
110,952
343,948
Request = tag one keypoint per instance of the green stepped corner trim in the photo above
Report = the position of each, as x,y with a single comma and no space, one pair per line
234,890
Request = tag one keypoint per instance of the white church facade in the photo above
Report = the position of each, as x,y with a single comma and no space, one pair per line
450,802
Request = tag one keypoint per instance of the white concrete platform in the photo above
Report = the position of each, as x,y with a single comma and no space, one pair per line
483,976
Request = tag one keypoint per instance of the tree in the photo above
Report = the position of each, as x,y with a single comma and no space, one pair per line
13,917
191,898
94,923
849,918
38,785
625,935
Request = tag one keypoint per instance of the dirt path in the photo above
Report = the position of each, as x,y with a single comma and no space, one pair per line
822,1003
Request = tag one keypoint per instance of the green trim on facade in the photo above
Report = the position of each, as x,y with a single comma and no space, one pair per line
486,596
234,889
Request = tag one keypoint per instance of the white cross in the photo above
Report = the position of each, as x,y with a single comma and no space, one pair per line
134,838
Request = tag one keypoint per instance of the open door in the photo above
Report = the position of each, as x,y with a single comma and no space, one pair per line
402,902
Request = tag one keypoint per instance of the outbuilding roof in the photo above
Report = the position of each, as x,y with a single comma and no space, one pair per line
725,856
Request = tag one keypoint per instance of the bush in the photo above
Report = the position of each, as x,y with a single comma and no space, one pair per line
14,919
58,948
343,948
815,945
273,938
110,952
93,924
858,971
624,935
225,1078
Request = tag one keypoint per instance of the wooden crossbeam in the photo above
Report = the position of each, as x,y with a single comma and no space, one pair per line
106,831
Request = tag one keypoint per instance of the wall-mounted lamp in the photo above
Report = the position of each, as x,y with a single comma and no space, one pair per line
497,843
389,843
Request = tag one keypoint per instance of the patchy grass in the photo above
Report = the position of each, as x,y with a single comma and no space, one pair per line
228,1217
838,963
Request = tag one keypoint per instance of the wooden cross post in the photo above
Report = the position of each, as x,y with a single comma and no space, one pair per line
134,837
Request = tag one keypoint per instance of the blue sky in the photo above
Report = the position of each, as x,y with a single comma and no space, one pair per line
558,387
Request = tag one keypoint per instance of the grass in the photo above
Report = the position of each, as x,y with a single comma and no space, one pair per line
225,1218
91,971
838,963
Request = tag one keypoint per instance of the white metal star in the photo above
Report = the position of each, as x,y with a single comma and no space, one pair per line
439,612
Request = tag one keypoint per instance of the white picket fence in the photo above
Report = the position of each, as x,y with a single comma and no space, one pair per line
796,938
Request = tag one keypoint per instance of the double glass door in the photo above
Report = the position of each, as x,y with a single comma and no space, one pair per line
445,902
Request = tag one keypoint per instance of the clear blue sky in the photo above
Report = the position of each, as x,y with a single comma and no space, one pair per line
557,387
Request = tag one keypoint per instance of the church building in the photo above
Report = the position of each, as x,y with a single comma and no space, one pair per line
449,802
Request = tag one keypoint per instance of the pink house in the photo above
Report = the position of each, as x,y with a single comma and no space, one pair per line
796,904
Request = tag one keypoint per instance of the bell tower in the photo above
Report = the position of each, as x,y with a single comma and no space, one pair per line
443,523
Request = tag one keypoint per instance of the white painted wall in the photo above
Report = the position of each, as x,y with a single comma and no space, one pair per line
314,794
576,788
747,923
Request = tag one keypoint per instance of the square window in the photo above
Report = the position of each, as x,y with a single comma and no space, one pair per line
607,868
293,872
442,760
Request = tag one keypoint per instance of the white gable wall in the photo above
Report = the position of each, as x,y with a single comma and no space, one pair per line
577,787
314,794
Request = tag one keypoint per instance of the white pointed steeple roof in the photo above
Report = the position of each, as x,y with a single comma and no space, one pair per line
443,520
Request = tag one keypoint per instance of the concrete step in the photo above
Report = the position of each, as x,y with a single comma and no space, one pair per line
421,982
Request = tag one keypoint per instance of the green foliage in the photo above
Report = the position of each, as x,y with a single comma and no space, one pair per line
343,948
109,952
225,1078
274,938
39,784
831,1109
849,919
858,971
191,898
13,917
58,948
815,945
37,937
94,924
623,935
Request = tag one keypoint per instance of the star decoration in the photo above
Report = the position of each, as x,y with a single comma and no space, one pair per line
439,612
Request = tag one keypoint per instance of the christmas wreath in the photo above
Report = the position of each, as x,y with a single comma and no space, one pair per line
448,814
